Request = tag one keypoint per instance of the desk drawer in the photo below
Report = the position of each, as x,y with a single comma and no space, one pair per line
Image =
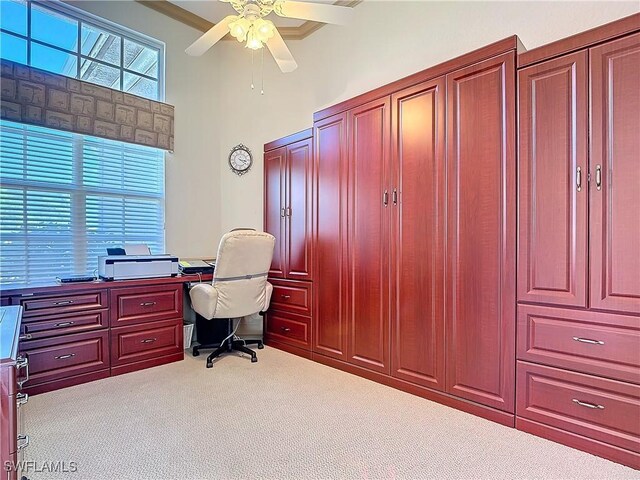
291,296
61,357
46,304
143,342
289,328
588,342
130,306
598,408
49,326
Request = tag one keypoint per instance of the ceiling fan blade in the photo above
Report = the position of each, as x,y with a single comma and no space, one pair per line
281,53
317,12
210,38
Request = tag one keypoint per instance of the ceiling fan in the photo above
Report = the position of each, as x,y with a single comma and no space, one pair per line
251,26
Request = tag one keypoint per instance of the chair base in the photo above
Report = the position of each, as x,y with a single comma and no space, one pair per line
228,346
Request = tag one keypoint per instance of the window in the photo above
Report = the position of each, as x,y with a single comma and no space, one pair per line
64,197
62,39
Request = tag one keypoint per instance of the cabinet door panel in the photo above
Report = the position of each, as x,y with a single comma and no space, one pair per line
299,198
480,283
615,160
417,308
330,156
552,229
274,191
368,217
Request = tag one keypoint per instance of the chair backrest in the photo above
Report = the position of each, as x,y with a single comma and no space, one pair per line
240,277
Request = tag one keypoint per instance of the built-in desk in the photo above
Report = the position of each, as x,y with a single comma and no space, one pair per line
80,332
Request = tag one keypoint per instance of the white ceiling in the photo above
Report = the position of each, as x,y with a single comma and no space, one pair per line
215,10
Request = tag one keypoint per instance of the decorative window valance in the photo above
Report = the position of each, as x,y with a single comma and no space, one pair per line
38,97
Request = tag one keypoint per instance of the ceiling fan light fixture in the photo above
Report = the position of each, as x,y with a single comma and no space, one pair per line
240,28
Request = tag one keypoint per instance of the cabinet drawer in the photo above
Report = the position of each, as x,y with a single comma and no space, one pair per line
130,306
598,408
589,342
291,296
45,304
143,342
42,327
61,357
289,328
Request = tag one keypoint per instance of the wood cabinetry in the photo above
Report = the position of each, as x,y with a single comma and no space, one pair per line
579,246
384,232
288,190
74,334
417,233
480,274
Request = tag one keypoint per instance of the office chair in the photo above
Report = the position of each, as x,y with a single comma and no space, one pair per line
239,287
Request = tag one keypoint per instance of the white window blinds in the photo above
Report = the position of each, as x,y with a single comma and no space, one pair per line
64,198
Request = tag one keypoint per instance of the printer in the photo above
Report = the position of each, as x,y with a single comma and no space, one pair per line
127,267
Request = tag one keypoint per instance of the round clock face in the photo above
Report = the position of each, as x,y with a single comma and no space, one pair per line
240,159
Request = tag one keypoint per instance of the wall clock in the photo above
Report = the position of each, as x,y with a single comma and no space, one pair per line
240,159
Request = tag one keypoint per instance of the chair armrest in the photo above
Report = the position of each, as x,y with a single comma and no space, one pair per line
204,299
267,296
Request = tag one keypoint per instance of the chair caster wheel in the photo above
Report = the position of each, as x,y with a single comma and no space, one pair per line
260,346
254,359
209,364
196,353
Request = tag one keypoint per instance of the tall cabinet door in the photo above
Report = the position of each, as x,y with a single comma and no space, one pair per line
417,236
299,207
330,278
553,191
368,219
481,220
274,202
615,174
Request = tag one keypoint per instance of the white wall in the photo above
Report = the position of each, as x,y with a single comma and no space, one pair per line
387,41
193,170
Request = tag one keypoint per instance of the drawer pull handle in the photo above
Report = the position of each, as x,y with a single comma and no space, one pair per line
21,398
147,304
23,362
148,340
594,406
63,302
588,340
64,324
23,441
64,357
285,297
285,329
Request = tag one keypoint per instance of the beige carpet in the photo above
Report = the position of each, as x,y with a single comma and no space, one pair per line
283,417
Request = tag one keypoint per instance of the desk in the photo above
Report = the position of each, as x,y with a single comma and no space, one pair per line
80,332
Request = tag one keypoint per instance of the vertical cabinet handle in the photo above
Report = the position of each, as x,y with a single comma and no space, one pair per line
395,196
598,177
282,212
385,198
23,442
579,178
288,212
23,362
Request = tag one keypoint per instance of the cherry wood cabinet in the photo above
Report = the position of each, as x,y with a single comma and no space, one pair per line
553,182
330,237
417,233
288,206
480,273
615,172
370,200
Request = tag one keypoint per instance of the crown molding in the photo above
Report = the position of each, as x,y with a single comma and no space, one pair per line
181,15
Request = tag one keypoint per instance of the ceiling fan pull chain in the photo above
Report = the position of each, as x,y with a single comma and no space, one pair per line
252,52
262,72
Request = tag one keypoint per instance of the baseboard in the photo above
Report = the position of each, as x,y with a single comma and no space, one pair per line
589,445
288,348
153,362
65,382
503,418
